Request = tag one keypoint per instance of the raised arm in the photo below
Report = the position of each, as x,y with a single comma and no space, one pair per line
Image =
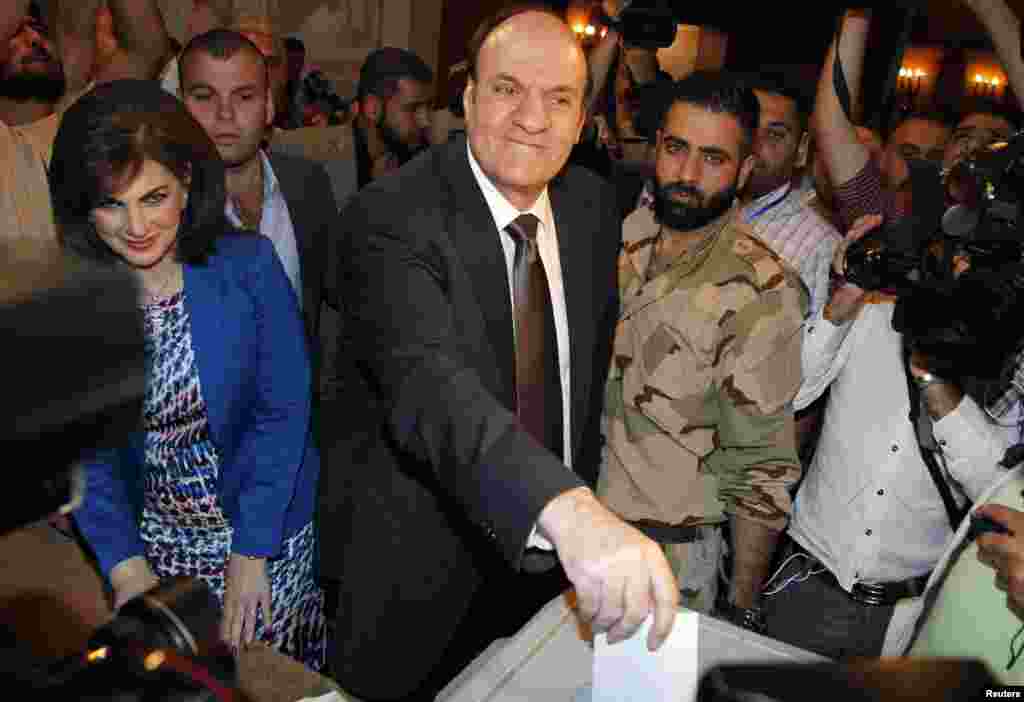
141,36
603,55
11,15
843,153
1003,27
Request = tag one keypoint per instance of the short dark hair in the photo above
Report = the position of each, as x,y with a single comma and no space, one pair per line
102,143
716,91
988,106
222,44
383,69
936,115
783,84
487,27
294,44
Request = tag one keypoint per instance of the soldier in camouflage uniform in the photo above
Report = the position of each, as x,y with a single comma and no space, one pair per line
698,416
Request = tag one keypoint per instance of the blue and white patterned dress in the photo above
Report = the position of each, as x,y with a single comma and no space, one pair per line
183,527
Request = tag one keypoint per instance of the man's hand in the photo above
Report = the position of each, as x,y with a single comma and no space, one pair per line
620,575
12,14
614,8
1004,553
130,578
246,590
642,63
846,300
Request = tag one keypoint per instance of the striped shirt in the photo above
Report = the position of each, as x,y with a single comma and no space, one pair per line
864,194
797,233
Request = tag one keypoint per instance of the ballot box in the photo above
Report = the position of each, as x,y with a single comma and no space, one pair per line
551,658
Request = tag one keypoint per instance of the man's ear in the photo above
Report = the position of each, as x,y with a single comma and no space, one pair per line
745,169
270,106
468,96
803,149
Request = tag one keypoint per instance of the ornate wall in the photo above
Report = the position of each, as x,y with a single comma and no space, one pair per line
340,33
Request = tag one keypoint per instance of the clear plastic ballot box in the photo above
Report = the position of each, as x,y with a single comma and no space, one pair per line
551,658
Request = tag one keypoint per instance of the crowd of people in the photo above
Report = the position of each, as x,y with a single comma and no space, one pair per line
406,385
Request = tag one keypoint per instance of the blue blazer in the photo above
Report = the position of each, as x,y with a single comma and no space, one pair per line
253,363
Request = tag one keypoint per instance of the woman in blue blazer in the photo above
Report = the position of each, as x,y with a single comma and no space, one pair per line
220,482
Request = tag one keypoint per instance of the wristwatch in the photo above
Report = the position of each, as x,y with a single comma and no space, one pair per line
751,618
925,379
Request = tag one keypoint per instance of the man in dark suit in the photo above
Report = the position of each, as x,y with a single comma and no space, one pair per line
450,487
288,199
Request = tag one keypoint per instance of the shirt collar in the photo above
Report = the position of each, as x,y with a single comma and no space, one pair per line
503,211
769,198
270,182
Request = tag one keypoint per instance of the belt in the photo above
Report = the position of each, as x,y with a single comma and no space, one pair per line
670,533
874,594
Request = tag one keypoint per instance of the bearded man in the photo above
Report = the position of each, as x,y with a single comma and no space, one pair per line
31,77
706,362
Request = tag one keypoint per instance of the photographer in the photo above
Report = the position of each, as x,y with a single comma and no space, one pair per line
869,521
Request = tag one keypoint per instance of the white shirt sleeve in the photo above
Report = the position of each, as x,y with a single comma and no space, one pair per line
972,446
826,346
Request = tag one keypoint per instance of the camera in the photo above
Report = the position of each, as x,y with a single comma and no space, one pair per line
649,24
165,644
162,645
317,89
957,264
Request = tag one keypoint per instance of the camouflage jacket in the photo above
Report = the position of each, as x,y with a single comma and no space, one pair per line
698,408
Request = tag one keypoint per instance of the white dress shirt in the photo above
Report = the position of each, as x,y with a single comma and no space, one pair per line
868,508
276,225
504,213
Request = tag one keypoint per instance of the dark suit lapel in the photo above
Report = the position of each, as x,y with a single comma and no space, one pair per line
478,243
305,224
574,256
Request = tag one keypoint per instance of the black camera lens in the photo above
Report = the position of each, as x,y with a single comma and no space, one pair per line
180,613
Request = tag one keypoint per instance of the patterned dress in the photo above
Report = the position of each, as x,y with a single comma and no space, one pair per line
184,530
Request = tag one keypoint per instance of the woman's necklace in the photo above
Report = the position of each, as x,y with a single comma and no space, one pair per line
149,295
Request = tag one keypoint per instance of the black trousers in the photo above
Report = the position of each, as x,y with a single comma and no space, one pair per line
498,609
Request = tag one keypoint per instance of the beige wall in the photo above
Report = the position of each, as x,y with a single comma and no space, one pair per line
340,33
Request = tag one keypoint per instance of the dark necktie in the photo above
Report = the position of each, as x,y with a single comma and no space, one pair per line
538,380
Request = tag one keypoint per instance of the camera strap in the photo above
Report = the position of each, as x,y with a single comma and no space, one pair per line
922,424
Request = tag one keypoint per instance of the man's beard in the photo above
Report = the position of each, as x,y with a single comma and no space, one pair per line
28,86
401,151
685,217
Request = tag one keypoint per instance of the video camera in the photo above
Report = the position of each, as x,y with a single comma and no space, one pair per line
73,337
318,89
645,24
965,322
162,645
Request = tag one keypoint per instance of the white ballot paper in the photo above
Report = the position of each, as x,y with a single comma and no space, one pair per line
628,671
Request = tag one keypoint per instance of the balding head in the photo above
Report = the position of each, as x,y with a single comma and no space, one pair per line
525,16
524,101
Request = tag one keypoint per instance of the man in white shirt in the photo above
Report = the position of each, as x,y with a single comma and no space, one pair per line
869,523
224,82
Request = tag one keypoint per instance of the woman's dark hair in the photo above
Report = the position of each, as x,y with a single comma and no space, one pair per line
102,143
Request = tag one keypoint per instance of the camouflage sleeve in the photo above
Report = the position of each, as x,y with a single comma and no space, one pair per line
756,378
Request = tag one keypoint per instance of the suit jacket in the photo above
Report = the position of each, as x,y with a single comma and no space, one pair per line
314,215
334,147
242,312
436,486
